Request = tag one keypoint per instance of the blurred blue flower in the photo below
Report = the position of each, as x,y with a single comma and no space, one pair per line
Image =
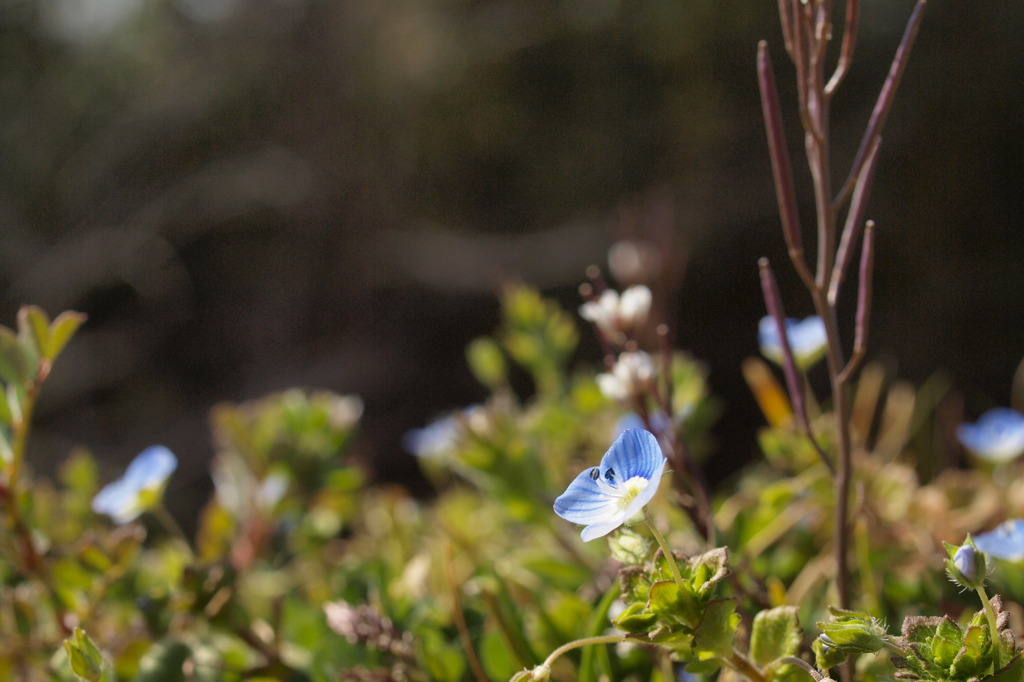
806,337
998,436
604,497
433,440
1006,541
140,488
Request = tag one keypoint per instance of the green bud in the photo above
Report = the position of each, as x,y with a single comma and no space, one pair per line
629,548
967,566
852,632
826,656
85,658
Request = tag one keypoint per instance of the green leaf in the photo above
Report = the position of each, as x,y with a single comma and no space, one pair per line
673,605
946,642
34,326
487,363
496,656
709,569
636,618
974,656
62,329
15,367
776,633
84,656
717,628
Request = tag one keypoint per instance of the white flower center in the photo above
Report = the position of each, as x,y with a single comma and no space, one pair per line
630,489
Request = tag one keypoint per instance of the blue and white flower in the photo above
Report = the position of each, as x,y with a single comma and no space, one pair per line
442,437
141,487
807,340
435,440
1006,541
604,497
998,436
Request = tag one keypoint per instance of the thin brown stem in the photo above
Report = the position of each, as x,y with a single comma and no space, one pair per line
846,50
885,98
782,170
854,222
843,478
867,262
794,381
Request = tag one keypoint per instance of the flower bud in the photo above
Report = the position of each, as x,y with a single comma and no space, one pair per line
852,632
967,566
86,660
825,655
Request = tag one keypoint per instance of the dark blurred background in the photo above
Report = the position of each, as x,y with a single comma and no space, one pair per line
246,195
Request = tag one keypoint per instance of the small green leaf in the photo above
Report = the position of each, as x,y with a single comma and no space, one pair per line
34,326
496,657
775,634
974,656
709,569
717,628
673,605
62,329
85,658
636,618
946,642
15,367
487,362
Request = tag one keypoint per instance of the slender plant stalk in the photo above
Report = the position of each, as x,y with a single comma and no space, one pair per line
669,557
807,31
459,616
993,627
32,559
577,643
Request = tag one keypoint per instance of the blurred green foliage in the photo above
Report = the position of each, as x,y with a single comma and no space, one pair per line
299,570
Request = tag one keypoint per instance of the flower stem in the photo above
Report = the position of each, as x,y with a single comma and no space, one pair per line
669,557
993,627
577,643
742,665
172,526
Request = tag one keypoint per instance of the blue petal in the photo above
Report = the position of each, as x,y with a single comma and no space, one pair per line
807,338
150,467
635,453
1005,542
583,501
997,436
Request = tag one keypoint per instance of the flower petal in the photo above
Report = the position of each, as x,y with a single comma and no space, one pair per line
150,467
997,436
1006,541
597,530
634,453
584,502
